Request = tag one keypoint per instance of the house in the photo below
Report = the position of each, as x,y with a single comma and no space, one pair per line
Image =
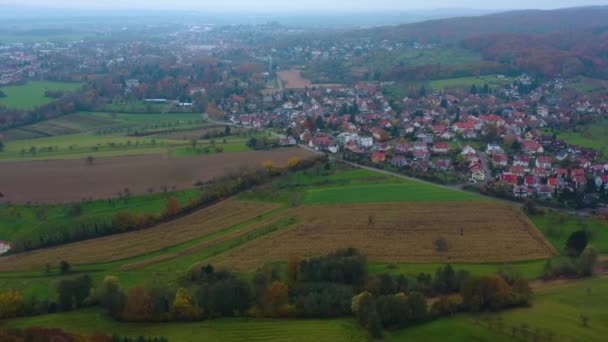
539,172
402,148
478,175
441,147
421,146
494,149
288,141
4,247
521,191
518,171
500,160
443,164
532,181
399,161
545,191
378,157
544,162
563,173
421,155
319,143
531,147
523,161
380,134
511,179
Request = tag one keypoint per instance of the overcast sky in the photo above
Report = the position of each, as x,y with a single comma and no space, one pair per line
312,5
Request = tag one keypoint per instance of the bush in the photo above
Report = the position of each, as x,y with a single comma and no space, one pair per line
577,241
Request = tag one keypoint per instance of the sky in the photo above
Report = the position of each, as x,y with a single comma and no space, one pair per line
308,5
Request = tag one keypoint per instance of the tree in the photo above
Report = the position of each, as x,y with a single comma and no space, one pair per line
268,165
11,304
184,308
172,207
293,162
64,267
441,245
293,270
227,130
275,297
586,262
110,296
577,241
138,305
485,293
1,146
73,292
89,160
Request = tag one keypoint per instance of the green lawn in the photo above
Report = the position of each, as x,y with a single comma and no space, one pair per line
591,136
19,220
238,329
466,82
459,328
31,94
400,192
557,227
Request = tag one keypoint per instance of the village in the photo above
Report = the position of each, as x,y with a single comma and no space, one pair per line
498,141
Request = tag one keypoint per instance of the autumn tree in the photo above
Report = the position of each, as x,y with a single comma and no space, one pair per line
184,307
485,293
275,297
293,270
11,304
293,162
111,296
172,207
138,305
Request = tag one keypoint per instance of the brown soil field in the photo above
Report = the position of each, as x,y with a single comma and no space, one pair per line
128,245
60,181
292,79
401,232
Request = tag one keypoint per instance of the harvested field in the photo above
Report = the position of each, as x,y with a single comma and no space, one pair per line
61,181
292,79
401,232
122,246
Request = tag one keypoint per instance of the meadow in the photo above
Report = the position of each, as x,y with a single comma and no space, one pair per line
466,82
238,329
590,136
557,227
32,94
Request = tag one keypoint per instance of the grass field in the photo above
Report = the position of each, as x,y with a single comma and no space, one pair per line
31,94
401,192
557,227
586,84
590,136
23,220
415,58
466,82
92,321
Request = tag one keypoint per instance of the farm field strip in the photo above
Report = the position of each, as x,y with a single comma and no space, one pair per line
206,254
128,245
198,245
61,181
402,232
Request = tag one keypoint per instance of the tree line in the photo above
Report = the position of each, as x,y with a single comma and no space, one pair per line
215,190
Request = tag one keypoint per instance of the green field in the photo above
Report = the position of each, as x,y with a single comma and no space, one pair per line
416,58
242,329
466,82
557,227
401,192
17,220
591,136
586,84
31,94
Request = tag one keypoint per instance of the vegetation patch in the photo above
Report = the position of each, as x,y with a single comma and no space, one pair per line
33,93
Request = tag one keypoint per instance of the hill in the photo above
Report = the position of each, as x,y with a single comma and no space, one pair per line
452,30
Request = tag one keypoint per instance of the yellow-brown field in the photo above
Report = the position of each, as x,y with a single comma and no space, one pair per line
122,246
401,232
